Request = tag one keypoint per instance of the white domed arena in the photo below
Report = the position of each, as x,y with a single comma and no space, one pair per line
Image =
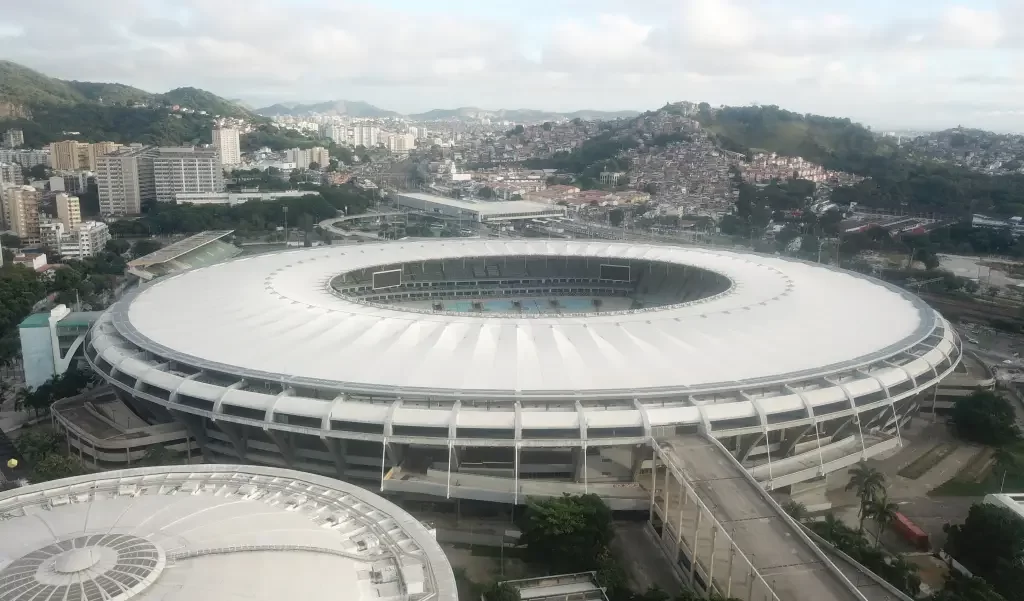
213,532
496,370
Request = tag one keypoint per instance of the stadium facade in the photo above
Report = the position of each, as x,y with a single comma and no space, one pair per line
213,532
496,370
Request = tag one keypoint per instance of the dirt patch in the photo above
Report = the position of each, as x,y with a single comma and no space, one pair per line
929,459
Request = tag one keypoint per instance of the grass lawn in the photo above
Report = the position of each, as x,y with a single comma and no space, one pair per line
920,466
982,476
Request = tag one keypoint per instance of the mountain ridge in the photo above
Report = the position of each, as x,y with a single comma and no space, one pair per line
352,108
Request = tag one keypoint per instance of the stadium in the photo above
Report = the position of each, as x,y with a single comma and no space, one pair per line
213,532
497,370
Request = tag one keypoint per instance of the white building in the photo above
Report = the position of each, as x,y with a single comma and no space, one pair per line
302,157
69,210
365,135
87,239
10,174
237,198
401,143
225,140
131,176
14,138
25,158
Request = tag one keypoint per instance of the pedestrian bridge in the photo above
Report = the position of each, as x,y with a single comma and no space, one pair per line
721,527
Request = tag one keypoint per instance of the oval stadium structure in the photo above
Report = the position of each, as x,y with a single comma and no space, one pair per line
213,532
494,370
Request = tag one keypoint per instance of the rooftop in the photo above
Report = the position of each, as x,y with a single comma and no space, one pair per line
781,320
213,532
484,207
176,249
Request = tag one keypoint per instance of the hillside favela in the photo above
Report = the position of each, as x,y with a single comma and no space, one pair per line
730,308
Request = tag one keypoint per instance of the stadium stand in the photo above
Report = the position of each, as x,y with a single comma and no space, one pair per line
200,250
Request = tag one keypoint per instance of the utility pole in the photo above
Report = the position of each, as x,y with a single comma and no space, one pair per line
285,209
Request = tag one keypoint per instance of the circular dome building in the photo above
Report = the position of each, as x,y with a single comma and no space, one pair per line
481,368
213,532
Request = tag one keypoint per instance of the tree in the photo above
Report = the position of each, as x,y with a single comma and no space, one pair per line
501,591
118,246
54,466
314,166
144,247
965,588
36,443
566,534
615,217
884,514
985,417
796,510
485,192
869,484
990,543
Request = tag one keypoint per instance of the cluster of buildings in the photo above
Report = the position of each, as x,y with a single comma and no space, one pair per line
974,149
66,233
137,174
766,167
535,141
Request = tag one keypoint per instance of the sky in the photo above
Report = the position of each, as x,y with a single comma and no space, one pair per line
891,64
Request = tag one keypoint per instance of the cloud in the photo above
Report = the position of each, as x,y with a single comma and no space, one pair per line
823,56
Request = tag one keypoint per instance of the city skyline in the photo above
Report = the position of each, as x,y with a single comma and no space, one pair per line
889,65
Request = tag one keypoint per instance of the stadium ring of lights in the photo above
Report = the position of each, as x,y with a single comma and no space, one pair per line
294,358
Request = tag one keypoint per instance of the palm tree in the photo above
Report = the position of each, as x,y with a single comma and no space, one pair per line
883,512
795,509
869,484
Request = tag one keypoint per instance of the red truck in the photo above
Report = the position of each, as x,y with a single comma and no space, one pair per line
911,532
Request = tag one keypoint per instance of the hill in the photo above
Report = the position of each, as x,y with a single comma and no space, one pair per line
46,108
331,107
825,140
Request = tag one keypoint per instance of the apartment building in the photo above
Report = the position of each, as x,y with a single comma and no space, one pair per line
184,171
71,155
21,204
10,175
401,143
97,150
13,138
124,178
25,158
303,157
69,211
87,239
131,176
225,140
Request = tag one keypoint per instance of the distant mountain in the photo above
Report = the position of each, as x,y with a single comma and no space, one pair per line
331,107
518,115
362,109
47,109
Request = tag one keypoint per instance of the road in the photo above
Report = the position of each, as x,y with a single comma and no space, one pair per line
791,565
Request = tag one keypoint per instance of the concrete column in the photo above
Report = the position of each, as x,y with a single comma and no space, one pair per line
637,457
693,546
711,562
337,448
235,435
578,464
752,440
193,426
284,445
790,438
396,453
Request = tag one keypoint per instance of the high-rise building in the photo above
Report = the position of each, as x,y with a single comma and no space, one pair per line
99,149
335,133
123,181
319,155
184,171
14,138
69,211
66,155
225,140
365,135
299,156
131,176
22,204
401,143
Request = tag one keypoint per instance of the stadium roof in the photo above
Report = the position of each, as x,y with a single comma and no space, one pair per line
213,532
274,316
179,248
485,208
